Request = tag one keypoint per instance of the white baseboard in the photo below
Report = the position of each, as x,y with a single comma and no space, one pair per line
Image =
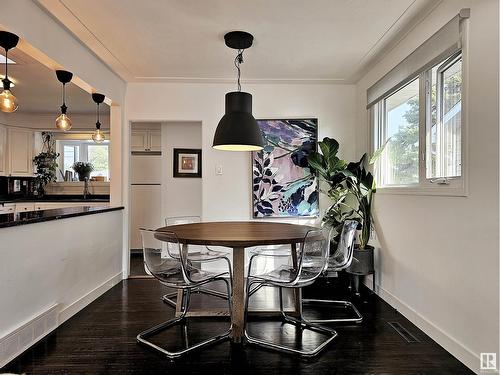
448,342
16,342
83,301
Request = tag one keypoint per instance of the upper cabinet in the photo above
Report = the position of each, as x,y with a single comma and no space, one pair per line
155,140
3,151
145,140
20,152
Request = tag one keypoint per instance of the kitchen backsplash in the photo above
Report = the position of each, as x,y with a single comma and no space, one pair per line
16,187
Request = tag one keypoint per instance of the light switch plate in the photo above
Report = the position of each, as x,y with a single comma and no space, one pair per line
218,169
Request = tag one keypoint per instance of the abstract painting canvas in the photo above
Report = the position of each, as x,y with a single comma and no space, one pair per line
283,185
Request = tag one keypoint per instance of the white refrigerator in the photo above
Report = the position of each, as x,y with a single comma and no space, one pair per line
145,195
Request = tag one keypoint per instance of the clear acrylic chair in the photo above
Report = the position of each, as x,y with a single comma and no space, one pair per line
311,262
200,254
340,259
178,273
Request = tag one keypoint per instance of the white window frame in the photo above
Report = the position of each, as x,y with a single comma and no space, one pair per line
453,186
83,150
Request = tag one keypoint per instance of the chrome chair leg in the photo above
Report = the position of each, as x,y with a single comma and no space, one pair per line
212,292
346,304
142,337
254,290
303,324
167,298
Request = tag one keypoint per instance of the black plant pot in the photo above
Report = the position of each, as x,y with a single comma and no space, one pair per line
362,264
82,176
362,261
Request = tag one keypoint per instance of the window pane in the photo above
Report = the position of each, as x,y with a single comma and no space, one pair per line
70,154
98,156
400,166
432,142
444,137
451,119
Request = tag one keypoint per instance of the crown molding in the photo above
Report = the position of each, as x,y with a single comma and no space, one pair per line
326,81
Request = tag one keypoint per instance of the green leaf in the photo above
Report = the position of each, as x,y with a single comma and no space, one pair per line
378,152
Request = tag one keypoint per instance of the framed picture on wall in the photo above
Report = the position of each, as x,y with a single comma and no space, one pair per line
282,183
187,162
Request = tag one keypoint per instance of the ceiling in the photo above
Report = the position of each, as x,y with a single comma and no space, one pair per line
39,91
295,40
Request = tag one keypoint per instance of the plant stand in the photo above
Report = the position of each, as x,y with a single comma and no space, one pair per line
362,265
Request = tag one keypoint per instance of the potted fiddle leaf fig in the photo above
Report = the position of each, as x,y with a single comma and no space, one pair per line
329,167
361,185
83,168
351,188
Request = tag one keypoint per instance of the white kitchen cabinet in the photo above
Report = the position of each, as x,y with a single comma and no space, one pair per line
55,205
20,151
155,140
3,151
139,140
145,140
7,208
24,207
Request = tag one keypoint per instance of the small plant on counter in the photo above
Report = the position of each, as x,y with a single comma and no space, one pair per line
46,164
83,168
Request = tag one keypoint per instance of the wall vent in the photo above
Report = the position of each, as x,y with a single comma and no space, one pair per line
16,342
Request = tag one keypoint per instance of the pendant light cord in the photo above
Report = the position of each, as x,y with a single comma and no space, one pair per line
237,62
6,64
98,123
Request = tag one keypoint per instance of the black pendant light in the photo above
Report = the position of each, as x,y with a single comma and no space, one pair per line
8,102
63,122
238,130
98,135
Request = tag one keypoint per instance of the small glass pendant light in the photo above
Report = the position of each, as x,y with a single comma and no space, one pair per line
8,102
98,135
63,122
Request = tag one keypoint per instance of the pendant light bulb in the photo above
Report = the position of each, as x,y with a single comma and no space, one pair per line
8,102
62,121
98,135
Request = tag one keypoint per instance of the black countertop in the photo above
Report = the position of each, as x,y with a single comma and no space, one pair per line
57,198
31,217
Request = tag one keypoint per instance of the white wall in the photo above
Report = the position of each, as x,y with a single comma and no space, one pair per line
181,196
227,196
35,26
71,263
439,261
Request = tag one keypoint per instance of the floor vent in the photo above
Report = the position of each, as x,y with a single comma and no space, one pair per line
403,332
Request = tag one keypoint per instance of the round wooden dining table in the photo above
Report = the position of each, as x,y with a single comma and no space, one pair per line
238,236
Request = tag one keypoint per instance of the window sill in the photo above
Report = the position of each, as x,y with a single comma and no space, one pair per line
444,191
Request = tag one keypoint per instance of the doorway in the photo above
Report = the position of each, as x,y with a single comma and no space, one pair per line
154,189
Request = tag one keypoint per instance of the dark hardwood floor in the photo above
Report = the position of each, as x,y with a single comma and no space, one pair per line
101,340
137,265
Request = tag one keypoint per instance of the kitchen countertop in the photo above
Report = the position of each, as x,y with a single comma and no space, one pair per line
58,198
31,217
